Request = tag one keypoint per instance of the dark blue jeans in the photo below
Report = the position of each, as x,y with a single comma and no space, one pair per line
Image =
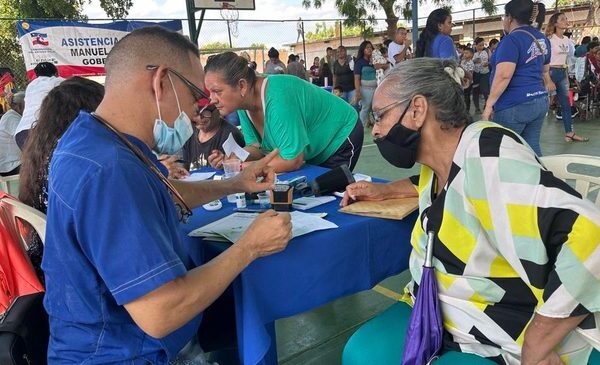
560,79
526,119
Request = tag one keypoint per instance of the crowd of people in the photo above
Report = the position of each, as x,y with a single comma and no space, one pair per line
515,248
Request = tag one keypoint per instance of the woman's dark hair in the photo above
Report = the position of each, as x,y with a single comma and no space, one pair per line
435,18
523,12
273,53
587,39
59,108
45,69
493,41
592,45
361,49
478,40
551,27
232,68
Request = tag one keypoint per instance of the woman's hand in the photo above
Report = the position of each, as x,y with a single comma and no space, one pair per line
216,159
257,176
176,171
550,86
552,359
487,112
364,190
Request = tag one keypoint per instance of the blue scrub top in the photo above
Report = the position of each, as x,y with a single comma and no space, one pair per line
111,238
443,47
527,83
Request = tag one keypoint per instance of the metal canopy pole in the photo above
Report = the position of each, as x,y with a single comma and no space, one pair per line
192,26
304,47
473,28
415,23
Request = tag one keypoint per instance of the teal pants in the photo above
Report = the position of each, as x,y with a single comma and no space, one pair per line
380,341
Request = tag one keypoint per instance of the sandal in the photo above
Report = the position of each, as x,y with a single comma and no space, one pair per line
575,138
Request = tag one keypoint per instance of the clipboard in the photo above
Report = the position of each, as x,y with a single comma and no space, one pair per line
395,209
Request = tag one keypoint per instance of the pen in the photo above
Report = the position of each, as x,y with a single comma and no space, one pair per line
248,210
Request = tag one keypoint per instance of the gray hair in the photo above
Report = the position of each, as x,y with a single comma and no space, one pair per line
437,80
18,98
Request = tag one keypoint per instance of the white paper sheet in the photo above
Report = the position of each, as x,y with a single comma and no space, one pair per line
309,202
233,226
230,146
198,176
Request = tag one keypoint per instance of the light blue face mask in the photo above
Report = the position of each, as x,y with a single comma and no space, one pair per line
171,140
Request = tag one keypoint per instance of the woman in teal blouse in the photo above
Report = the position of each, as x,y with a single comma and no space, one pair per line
304,122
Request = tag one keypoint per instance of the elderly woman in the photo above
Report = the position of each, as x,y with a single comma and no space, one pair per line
517,251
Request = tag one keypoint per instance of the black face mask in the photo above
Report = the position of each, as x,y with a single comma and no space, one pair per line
399,147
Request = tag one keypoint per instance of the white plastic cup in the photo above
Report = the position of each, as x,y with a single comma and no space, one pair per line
231,168
264,200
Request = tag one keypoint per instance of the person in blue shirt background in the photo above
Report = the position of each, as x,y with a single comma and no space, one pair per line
119,286
435,41
520,73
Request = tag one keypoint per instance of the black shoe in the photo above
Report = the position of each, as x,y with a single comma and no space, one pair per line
558,114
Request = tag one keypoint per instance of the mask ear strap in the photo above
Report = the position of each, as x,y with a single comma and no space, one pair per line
157,106
176,97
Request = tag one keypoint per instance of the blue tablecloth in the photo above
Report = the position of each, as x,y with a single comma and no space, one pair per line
314,269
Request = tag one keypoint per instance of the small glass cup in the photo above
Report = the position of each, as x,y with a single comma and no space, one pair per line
232,167
264,200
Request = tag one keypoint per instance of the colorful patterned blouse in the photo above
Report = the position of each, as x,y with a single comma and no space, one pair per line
511,240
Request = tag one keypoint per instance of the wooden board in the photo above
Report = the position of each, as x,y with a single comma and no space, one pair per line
389,209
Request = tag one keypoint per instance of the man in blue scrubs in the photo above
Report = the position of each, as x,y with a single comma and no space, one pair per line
118,289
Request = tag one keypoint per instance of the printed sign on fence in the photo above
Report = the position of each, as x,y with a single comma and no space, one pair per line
76,48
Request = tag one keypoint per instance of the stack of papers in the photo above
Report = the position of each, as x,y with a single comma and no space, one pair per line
232,227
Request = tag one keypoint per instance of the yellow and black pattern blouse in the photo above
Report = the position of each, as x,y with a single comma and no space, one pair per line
511,240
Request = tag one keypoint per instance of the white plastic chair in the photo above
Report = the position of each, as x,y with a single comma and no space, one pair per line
6,182
12,210
585,184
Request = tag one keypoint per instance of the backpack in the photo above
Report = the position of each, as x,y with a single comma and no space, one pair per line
24,329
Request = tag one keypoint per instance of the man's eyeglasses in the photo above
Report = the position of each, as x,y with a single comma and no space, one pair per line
197,91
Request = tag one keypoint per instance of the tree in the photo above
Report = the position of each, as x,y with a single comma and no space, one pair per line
51,9
324,32
215,46
357,11
258,45
561,3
